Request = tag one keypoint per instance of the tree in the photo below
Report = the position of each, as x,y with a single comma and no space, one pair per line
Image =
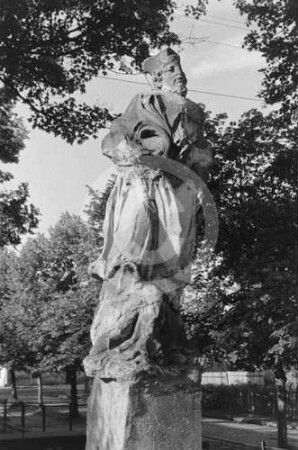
15,353
96,210
50,50
276,38
66,324
246,310
17,216
255,188
47,301
56,299
6,260
67,317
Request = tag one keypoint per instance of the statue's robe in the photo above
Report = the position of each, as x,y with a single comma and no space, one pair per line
149,234
150,212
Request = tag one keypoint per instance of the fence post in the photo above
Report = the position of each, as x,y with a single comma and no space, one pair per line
43,412
252,399
5,416
263,445
70,416
23,416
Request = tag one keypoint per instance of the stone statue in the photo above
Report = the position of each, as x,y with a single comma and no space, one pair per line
146,393
149,230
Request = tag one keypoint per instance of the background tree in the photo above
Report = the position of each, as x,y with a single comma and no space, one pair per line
17,216
266,244
248,306
95,211
241,308
50,50
15,353
67,317
54,299
21,309
276,38
47,298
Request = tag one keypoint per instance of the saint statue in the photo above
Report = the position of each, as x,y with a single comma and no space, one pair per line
149,229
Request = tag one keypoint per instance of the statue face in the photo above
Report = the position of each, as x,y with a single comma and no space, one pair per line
173,78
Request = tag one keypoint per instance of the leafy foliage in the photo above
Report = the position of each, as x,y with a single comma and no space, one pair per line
96,209
47,301
12,131
14,350
50,50
247,309
62,293
246,313
276,39
47,298
17,217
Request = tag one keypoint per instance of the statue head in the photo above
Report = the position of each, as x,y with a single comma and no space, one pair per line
166,71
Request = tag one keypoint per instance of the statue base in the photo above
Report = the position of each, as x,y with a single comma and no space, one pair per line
144,415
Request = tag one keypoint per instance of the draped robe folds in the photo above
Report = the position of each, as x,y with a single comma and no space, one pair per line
149,231
150,218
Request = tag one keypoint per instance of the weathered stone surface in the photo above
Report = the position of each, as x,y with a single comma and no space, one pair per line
147,415
149,229
136,331
145,394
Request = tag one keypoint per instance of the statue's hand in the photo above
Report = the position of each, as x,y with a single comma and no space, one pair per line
95,270
125,153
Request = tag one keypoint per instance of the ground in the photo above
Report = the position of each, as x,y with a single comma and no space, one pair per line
57,399
246,433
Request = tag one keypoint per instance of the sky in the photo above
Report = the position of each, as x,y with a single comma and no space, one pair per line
214,62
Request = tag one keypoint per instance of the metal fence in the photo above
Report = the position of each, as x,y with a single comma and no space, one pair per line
223,444
22,417
229,378
246,399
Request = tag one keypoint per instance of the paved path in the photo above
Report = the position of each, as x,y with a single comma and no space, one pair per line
246,433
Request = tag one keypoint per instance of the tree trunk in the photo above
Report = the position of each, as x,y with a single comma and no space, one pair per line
39,389
13,386
281,400
73,392
87,385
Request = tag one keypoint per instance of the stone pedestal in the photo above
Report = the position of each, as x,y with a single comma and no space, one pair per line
146,415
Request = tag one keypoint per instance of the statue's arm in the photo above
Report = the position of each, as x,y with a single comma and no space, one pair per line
119,146
139,131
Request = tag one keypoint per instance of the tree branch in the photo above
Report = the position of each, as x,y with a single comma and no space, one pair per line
11,86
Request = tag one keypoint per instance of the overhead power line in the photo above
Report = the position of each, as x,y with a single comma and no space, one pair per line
205,40
225,44
224,24
218,94
180,16
225,20
183,8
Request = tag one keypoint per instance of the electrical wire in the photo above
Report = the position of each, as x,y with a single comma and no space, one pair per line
224,24
189,39
218,94
180,16
225,45
225,20
182,8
